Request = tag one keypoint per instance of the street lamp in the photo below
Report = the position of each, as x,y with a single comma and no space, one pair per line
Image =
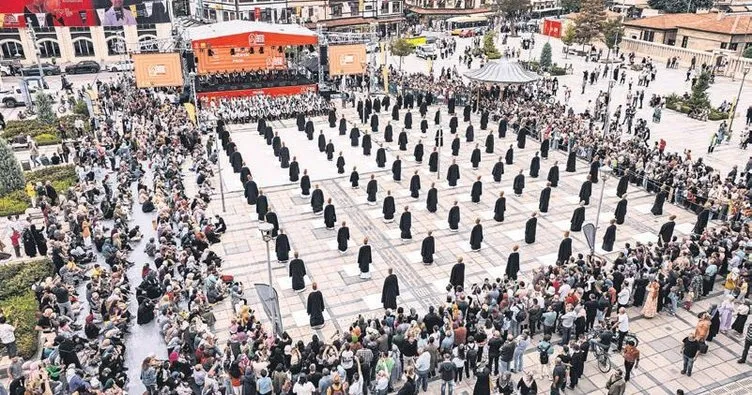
266,230
440,144
736,104
605,175
607,124
193,76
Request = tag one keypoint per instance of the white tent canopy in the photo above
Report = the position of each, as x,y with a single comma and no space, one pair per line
502,72
229,28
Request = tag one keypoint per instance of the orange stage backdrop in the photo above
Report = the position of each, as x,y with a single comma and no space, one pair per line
158,69
237,59
347,59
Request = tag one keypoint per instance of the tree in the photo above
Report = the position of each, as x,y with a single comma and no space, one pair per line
545,59
11,175
699,99
45,113
568,38
680,6
570,5
489,48
402,48
747,53
512,9
613,32
589,22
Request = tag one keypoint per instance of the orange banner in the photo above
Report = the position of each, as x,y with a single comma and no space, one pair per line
240,59
347,59
158,69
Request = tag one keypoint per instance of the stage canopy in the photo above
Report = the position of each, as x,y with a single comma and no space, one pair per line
502,72
241,34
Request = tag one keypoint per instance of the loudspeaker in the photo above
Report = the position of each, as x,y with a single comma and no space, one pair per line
324,60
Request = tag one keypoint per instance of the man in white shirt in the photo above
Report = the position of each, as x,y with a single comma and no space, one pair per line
8,337
622,326
422,367
623,296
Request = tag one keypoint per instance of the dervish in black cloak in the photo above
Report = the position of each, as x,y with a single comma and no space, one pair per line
354,137
490,143
667,231
364,260
498,170
406,222
432,199
476,191
519,184
388,208
454,217
250,191
315,308
660,198
427,249
545,197
476,236
284,157
317,201
271,218
453,174
621,210
282,247
621,188
586,190
342,126
332,118
553,175
513,263
322,142
530,228
475,157
609,237
354,178
366,144
329,150
340,164
381,156
402,140
572,160
29,242
236,160
457,275
594,167
244,173
535,166
503,128
521,138
702,220
469,134
262,206
453,125
297,272
509,156
305,185
500,207
418,152
578,218
545,145
390,291
371,190
415,185
565,249
455,146
343,235
433,161
408,120
397,169
330,215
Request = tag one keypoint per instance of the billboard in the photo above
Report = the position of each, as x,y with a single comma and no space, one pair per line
158,69
249,58
347,59
552,28
78,13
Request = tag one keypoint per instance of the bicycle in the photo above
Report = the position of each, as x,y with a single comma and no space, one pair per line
603,358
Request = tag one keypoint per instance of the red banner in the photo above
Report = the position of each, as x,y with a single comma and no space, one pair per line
278,91
49,13
552,28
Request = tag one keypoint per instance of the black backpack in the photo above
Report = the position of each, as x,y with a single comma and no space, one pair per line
521,315
544,355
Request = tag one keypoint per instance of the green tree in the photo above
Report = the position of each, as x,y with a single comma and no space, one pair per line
747,53
613,32
545,59
11,175
568,38
402,48
699,99
45,113
489,47
589,22
570,5
680,6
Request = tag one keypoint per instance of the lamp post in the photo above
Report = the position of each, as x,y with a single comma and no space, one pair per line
736,103
605,175
38,53
607,121
440,133
266,233
193,76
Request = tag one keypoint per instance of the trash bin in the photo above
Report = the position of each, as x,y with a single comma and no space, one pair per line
25,165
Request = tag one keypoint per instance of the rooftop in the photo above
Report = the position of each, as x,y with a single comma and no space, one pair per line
712,22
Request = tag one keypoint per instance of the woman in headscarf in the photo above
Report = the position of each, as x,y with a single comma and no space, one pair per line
527,384
651,303
504,384
715,322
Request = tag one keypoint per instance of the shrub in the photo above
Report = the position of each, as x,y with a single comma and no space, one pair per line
62,177
14,203
557,71
68,121
81,109
19,302
716,115
21,311
46,139
32,127
493,55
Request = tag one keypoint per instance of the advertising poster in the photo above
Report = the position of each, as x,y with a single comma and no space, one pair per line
552,28
347,59
80,13
157,69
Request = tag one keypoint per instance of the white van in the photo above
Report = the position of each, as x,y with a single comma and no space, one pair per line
426,51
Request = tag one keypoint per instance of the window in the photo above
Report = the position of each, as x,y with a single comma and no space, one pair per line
116,46
733,46
648,35
684,42
49,49
83,48
147,44
12,50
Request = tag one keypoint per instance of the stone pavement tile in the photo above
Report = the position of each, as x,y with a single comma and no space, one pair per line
702,378
640,378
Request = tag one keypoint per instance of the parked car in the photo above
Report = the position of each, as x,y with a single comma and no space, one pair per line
5,70
47,69
426,51
83,67
470,32
372,47
123,65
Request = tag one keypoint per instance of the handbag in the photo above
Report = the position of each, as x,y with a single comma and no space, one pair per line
703,348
